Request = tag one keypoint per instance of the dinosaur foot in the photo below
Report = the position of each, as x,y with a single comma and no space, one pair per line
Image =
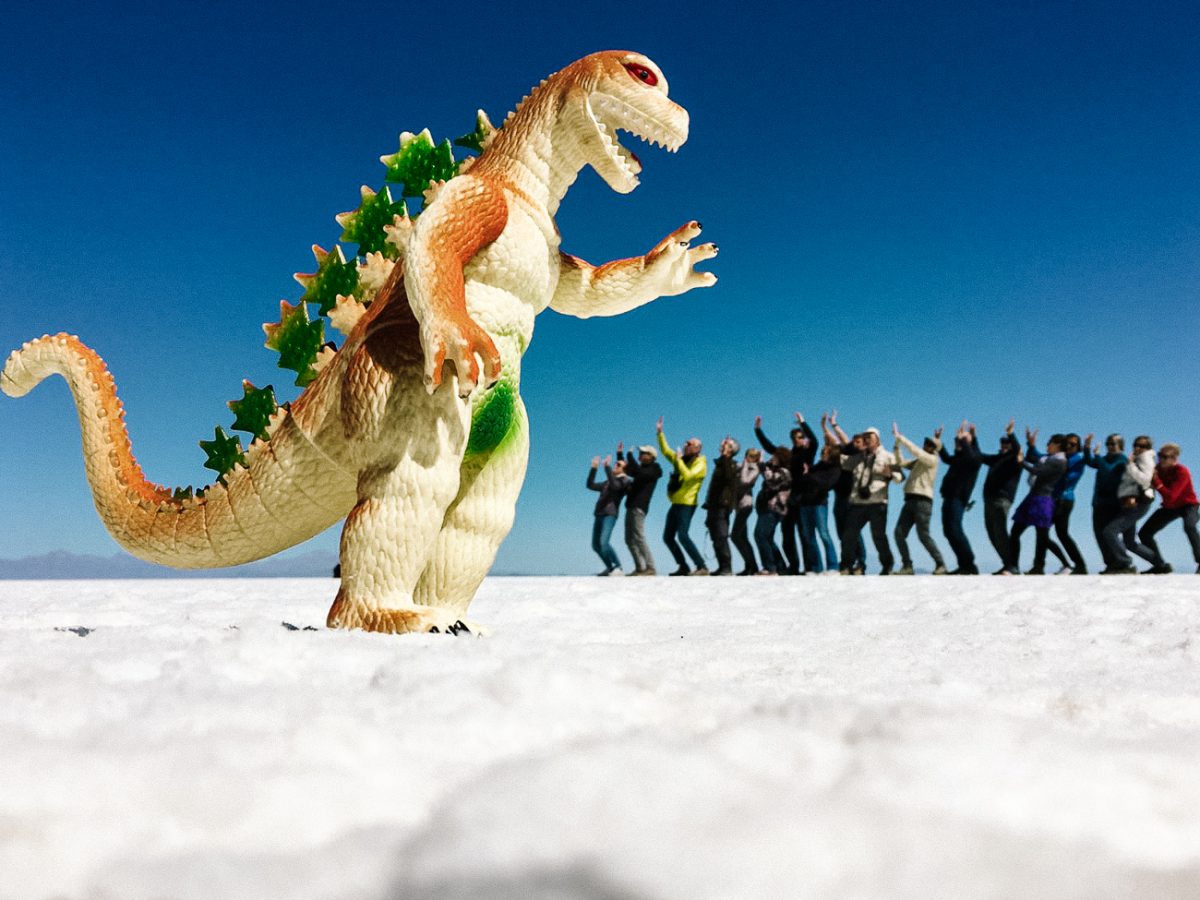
408,619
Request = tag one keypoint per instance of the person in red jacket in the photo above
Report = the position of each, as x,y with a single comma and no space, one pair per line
1179,501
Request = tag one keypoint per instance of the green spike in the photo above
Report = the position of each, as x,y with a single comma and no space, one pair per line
364,226
223,452
254,410
333,276
418,162
296,339
483,132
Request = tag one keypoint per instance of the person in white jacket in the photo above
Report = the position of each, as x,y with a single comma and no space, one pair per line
873,471
918,498
1135,495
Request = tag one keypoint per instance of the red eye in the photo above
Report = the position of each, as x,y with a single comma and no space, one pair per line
641,73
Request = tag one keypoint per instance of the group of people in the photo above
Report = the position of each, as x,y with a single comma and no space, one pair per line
794,484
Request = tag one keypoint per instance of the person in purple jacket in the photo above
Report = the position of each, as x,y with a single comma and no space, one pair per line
1064,500
1037,509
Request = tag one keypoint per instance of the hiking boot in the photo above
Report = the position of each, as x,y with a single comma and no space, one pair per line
859,570
700,571
967,570
723,572
682,570
748,572
1081,570
1036,570
1164,569
906,569
1120,570
616,572
886,570
941,570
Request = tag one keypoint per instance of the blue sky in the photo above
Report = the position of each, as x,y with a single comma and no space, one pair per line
925,211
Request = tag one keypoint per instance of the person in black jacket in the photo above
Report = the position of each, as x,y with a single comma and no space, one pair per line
645,471
962,471
720,501
1000,488
812,501
803,451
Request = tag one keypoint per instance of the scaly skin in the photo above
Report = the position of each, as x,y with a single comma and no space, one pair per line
414,431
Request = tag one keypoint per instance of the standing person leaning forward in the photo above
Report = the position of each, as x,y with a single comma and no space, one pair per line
873,472
918,497
720,501
1134,498
802,454
1174,482
962,471
683,490
645,472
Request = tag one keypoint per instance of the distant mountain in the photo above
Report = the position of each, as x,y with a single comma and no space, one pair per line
61,564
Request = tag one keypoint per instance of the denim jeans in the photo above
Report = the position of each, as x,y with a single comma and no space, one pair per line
953,510
679,520
814,525
764,536
601,533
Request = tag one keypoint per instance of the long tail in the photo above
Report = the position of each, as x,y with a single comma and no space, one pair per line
288,491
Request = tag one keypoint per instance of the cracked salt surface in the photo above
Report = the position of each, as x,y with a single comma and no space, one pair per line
693,738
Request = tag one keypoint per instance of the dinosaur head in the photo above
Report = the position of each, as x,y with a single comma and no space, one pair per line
612,91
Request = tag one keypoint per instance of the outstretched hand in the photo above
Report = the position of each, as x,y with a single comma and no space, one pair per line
1011,426
895,431
659,425
937,432
758,421
607,461
595,462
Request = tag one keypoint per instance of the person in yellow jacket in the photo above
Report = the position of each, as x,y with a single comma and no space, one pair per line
683,490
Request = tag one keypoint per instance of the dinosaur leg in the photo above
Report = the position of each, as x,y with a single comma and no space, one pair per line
477,521
387,541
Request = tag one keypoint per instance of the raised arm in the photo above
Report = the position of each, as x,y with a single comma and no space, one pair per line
585,290
763,440
469,215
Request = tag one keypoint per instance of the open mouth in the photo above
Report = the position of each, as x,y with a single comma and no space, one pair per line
612,115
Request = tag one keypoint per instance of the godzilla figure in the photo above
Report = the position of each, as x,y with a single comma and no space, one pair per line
414,430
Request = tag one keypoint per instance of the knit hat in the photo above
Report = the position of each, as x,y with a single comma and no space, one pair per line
874,431
646,448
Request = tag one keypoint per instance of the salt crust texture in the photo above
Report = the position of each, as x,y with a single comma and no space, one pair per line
698,738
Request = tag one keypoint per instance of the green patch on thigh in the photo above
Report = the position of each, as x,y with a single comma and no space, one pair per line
493,418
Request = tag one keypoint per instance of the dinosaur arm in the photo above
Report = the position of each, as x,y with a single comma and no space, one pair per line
469,214
585,290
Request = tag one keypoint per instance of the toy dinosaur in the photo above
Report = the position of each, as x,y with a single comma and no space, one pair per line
414,430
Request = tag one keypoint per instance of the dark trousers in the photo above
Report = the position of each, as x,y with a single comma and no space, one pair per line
918,511
1062,519
789,530
1121,535
764,536
1164,517
679,520
741,538
995,520
717,521
953,510
841,507
1044,543
858,515
1101,516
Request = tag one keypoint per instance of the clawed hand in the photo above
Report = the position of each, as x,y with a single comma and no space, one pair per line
673,258
458,342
